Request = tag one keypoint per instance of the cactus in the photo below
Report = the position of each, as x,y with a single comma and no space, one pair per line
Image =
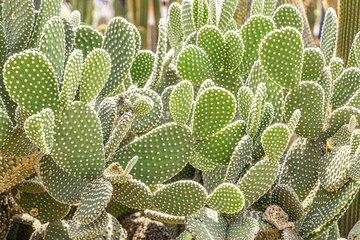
226,133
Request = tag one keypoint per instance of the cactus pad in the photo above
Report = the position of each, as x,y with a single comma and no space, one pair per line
181,102
245,99
6,128
329,35
234,50
274,140
345,86
163,217
142,67
175,32
181,198
284,196
243,228
32,185
313,64
354,168
87,39
57,230
227,11
226,198
288,16
336,66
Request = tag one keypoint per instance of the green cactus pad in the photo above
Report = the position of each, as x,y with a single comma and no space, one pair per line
75,18
294,120
336,66
200,13
256,111
230,80
354,101
191,40
78,231
59,184
327,85
285,197
107,113
213,16
19,73
276,50
211,40
252,33
340,138
48,9
32,185
200,162
40,205
309,99
142,67
258,180
72,77
120,43
165,99
213,178
245,99
40,129
245,228
313,64
163,217
52,44
355,232
18,146
239,159
226,198
148,121
57,230
345,86
87,39
185,235
18,22
6,128
175,32
227,11
83,154
234,50
3,48
274,140
329,35
288,16
219,147
339,117
333,169
152,169
20,117
194,65
95,73
181,102
354,168
300,167
327,208
69,37
94,199
207,119
133,194
117,209
187,19
354,141
181,198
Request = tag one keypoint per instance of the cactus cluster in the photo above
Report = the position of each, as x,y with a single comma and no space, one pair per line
231,134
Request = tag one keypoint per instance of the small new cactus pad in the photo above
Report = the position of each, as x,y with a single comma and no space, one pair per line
79,231
72,76
181,198
40,129
239,160
75,18
132,193
187,19
313,64
309,99
153,169
214,147
83,154
354,168
226,198
40,205
245,99
142,106
213,16
87,39
211,40
345,86
181,102
252,33
57,230
336,66
340,138
32,185
300,166
18,22
27,70
234,50
327,208
258,180
207,223
288,16
274,140
339,117
120,43
163,217
142,67
281,56
62,186
226,13
200,13
209,119
52,44
284,196
6,128
48,9
94,199
95,73
243,228
329,35
69,37
355,140
107,113
194,65
175,32
333,169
